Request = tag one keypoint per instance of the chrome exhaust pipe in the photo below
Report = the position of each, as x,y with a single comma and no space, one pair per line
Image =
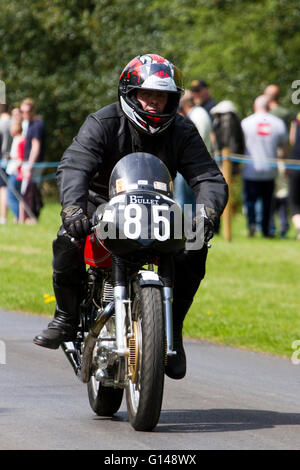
90,341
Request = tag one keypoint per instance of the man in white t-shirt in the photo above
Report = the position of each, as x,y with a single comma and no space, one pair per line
265,139
200,118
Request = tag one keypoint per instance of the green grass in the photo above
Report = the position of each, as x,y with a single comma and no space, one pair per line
249,297
25,263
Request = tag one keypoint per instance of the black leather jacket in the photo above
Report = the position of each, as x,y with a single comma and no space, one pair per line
106,136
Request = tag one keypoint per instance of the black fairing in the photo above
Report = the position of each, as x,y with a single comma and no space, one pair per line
140,171
141,220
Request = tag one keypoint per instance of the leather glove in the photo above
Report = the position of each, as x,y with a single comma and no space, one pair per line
75,222
210,223
209,218
209,229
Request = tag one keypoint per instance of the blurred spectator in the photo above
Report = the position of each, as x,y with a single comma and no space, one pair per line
5,123
227,129
200,118
273,93
280,203
2,189
16,113
34,153
6,140
201,95
265,139
198,115
14,166
294,175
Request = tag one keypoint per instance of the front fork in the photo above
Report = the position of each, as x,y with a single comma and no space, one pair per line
119,279
165,279
166,273
167,298
120,297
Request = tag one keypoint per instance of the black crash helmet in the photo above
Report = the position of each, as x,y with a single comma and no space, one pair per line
150,72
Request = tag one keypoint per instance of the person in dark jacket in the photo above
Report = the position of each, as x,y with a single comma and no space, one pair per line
144,120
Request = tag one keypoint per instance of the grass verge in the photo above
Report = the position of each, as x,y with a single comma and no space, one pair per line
250,295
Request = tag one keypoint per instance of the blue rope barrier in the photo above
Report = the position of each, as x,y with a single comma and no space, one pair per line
47,164
217,158
3,164
40,179
288,166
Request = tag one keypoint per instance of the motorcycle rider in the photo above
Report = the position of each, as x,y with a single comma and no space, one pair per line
145,119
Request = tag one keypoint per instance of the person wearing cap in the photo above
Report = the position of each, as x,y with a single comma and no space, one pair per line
201,95
200,118
198,115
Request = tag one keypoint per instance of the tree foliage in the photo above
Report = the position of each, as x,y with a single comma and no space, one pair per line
68,54
238,46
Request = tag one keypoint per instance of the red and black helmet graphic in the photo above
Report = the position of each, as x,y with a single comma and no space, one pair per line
150,72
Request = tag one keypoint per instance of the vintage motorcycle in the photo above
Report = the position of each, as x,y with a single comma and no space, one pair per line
125,334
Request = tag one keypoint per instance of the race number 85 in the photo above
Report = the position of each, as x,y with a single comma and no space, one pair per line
136,218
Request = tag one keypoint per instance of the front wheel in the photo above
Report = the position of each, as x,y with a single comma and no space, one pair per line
144,391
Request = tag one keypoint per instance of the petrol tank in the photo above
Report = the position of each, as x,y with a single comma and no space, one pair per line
95,253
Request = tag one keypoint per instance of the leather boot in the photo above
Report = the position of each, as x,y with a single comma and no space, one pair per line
64,325
176,365
62,328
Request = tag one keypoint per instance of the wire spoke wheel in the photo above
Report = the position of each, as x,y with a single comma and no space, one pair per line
144,391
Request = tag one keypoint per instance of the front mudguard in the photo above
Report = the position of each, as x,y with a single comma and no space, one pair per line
149,278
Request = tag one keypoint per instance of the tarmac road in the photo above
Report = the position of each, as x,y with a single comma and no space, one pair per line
230,399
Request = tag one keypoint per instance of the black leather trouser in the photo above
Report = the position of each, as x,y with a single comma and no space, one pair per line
68,276
189,272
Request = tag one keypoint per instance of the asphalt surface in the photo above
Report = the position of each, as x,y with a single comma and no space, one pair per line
230,399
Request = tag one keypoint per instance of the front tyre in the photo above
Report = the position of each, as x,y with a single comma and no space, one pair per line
144,391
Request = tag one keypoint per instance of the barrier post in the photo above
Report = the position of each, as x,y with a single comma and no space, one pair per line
227,173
